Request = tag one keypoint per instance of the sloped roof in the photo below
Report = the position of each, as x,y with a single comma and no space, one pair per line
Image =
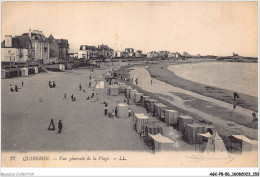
25,41
15,43
244,138
160,138
36,36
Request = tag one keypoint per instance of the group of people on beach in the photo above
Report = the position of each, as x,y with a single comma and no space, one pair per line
15,88
52,84
114,112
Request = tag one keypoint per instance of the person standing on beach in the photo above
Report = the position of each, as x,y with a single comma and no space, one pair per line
105,109
93,94
89,84
16,88
79,86
136,81
151,82
116,110
22,83
60,126
72,97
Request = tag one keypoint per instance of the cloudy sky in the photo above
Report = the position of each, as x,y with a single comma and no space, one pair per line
217,28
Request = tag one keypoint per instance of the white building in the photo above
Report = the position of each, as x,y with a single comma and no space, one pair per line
12,50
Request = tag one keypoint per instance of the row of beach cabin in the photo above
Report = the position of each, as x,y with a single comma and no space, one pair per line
192,131
20,72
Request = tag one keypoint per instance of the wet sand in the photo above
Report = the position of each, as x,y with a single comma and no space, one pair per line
160,71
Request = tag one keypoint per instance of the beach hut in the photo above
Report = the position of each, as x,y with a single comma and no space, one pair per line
160,110
242,144
61,67
24,72
113,90
137,97
153,128
128,90
132,94
144,100
161,143
140,120
191,133
171,117
151,104
123,88
3,74
122,110
183,120
36,71
134,118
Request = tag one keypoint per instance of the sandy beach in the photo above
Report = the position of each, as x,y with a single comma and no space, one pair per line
25,120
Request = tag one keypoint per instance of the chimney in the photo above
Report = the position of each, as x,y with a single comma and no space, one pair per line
8,40
30,33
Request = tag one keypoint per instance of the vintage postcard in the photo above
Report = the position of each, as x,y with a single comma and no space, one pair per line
129,84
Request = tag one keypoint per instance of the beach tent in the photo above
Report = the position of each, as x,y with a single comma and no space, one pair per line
132,94
113,90
215,145
137,97
36,71
24,72
140,121
122,110
171,117
183,120
3,74
160,108
143,100
161,143
191,131
151,104
246,144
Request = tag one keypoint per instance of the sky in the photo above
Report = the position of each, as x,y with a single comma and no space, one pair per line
216,28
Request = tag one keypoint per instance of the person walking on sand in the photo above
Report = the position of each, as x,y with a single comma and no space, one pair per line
105,109
22,83
116,110
11,88
93,94
89,84
65,96
136,81
72,97
236,95
80,87
60,126
16,88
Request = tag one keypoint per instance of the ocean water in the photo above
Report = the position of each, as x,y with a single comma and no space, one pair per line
239,77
